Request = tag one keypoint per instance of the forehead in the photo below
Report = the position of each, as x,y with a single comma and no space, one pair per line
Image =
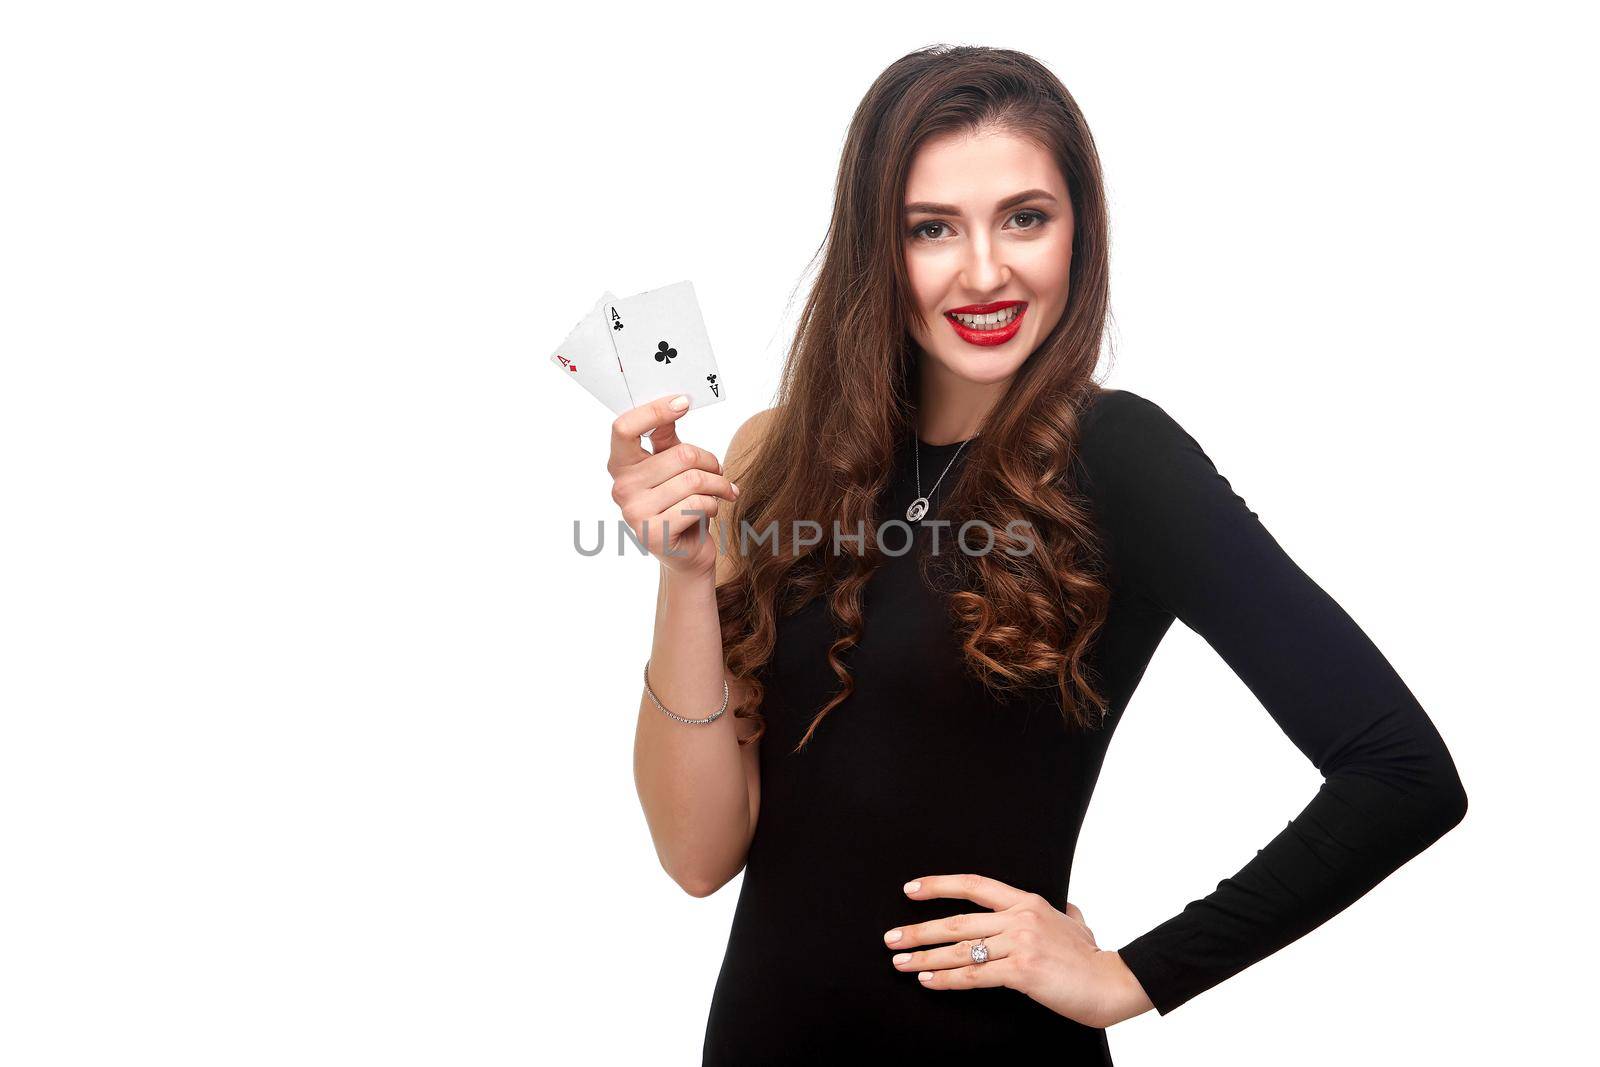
976,170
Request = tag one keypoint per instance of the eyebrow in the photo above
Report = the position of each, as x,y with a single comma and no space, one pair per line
925,207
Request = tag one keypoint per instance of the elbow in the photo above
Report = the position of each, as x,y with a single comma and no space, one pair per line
1450,806
698,888
1436,811
1416,762
697,883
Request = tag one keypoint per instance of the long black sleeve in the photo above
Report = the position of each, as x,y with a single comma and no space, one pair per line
1186,543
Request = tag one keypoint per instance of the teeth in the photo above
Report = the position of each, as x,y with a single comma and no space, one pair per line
994,320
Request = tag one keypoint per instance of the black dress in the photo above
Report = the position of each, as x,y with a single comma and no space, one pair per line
920,771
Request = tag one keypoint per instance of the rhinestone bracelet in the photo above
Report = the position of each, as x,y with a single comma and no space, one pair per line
680,718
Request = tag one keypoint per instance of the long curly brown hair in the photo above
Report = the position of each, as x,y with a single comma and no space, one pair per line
849,382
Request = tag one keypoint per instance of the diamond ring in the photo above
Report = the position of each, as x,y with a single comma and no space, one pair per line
980,952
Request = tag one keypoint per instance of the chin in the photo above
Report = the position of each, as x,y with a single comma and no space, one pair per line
979,369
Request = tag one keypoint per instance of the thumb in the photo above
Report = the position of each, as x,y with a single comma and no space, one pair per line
665,435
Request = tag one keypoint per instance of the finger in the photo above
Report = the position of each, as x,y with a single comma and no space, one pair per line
652,418
657,468
664,434
990,892
683,519
1072,911
663,438
974,976
956,955
692,482
971,925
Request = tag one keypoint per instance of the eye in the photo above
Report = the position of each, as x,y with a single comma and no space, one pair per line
922,231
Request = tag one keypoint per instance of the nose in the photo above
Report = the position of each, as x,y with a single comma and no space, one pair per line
983,270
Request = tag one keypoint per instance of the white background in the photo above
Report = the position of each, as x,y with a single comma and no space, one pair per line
318,732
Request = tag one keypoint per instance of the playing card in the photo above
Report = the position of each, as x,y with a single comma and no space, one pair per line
661,341
588,357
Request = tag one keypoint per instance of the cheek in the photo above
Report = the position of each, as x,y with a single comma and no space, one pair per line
925,283
1050,270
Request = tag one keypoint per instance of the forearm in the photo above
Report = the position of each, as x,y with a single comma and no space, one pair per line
1125,997
691,778
1362,825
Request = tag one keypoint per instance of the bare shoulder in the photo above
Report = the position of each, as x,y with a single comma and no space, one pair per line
747,441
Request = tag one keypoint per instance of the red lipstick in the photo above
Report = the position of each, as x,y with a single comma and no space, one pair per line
987,338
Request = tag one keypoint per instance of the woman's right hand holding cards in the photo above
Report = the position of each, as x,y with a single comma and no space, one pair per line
667,496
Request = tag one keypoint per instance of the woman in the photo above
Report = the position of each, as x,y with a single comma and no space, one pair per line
916,734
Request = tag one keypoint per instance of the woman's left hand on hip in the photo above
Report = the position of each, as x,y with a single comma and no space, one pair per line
1049,955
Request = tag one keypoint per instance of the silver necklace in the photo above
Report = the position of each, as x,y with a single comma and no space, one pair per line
919,506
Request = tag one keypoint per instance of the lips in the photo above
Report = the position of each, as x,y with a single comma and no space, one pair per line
987,338
985,309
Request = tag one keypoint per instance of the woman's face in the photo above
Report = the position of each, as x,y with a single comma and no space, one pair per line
972,241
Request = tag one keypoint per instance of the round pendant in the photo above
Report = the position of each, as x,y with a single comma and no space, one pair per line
918,508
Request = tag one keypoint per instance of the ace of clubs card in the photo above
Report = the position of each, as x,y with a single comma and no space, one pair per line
662,344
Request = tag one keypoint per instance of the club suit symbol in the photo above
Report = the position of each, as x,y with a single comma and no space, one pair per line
664,354
712,379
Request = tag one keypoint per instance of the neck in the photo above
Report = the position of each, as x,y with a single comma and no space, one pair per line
950,408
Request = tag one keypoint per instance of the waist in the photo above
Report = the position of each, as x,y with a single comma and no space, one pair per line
805,977
799,1009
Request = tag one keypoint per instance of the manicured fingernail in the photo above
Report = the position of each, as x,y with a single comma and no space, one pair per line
924,976
679,403
901,957
912,887
892,936
735,488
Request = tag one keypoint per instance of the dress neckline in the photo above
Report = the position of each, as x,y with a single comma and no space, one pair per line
929,446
